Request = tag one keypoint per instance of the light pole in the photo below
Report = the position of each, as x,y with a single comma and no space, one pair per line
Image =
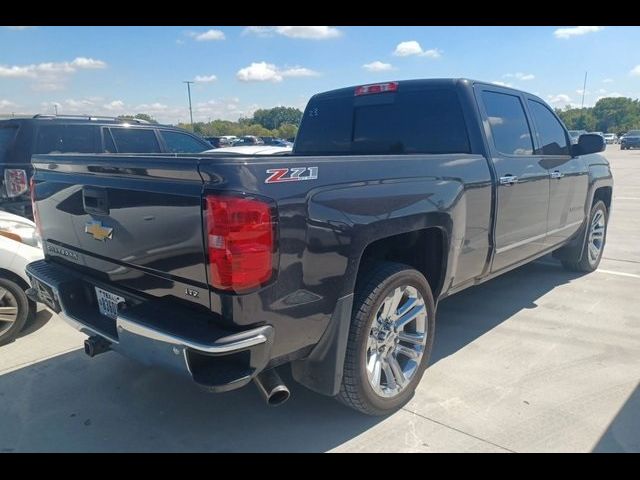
584,88
188,82
55,106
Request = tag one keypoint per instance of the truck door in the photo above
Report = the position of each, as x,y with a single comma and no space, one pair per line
523,180
569,175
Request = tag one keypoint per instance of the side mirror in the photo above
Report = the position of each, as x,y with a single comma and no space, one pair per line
589,143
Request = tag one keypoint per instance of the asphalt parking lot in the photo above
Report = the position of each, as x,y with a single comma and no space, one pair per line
537,360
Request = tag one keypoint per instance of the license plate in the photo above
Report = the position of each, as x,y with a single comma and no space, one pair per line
108,302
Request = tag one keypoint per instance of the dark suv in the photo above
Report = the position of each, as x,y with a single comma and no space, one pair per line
22,137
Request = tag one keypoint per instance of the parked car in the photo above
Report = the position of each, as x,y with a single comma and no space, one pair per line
610,138
253,150
219,142
19,245
330,259
20,138
575,135
631,139
248,140
278,142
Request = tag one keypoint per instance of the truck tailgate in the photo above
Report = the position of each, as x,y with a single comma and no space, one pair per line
132,221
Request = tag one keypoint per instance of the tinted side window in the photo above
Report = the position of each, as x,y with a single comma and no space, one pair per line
182,143
109,146
414,121
509,127
66,139
135,140
553,140
7,134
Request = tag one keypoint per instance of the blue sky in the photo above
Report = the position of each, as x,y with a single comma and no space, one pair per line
116,70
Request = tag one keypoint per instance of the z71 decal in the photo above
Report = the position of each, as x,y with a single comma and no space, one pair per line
295,174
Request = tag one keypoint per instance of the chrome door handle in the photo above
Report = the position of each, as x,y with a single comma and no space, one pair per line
557,174
508,180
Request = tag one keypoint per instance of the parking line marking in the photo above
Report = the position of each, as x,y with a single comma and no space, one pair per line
610,272
621,274
626,198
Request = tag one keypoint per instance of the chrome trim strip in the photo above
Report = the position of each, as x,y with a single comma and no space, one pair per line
573,224
222,345
511,246
231,343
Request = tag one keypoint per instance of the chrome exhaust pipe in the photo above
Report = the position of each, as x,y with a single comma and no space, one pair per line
271,387
96,345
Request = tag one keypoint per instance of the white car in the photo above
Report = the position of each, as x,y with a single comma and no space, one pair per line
19,245
610,138
253,150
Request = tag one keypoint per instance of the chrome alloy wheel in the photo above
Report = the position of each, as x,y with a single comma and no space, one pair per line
397,341
596,236
8,310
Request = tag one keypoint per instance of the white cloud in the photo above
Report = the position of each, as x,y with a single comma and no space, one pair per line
7,104
602,90
268,72
502,84
313,33
607,80
18,28
635,71
520,76
575,31
412,47
88,63
152,108
579,91
377,66
115,105
33,70
259,72
559,99
225,109
205,78
207,36
50,75
299,72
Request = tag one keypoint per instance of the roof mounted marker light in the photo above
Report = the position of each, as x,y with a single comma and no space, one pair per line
376,88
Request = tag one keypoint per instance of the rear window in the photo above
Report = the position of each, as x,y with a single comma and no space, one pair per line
426,121
182,143
135,140
66,139
7,134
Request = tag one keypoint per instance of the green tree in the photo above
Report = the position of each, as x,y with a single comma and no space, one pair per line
139,116
286,130
272,118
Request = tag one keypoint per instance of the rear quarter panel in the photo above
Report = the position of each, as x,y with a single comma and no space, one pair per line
325,225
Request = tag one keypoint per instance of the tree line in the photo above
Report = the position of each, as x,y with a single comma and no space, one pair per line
609,115
281,122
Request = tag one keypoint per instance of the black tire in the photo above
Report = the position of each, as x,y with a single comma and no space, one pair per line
26,310
586,263
379,280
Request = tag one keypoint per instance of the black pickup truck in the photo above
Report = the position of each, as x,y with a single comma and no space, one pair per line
331,259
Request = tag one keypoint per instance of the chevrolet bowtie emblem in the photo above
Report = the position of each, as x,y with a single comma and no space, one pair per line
99,232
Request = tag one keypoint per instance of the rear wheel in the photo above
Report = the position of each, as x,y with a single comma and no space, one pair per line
594,244
15,309
390,339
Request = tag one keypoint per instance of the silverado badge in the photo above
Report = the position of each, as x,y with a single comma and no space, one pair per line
98,231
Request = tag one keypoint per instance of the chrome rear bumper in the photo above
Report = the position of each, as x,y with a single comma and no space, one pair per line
157,332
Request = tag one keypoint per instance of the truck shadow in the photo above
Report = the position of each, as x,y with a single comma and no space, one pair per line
623,434
473,312
109,403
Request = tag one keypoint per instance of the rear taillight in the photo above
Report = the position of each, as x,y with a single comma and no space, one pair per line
15,182
240,242
36,217
376,88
